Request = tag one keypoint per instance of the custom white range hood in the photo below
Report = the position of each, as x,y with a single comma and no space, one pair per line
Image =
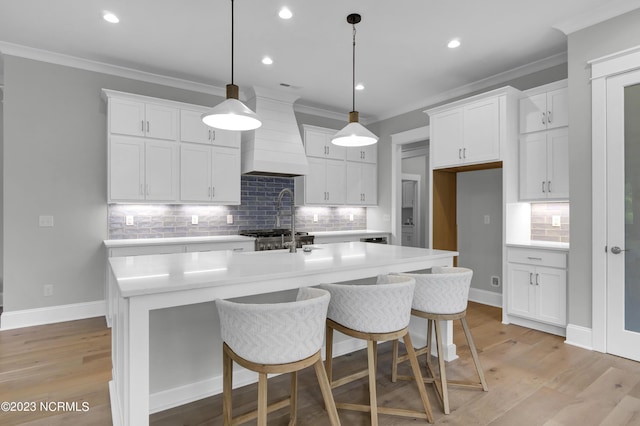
275,148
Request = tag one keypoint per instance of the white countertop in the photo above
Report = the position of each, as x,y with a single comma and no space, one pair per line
547,245
151,274
177,240
367,232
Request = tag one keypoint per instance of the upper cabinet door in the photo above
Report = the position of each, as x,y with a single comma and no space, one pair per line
192,129
446,136
161,122
126,169
558,164
558,108
533,166
126,117
161,171
363,154
533,111
481,132
226,175
195,173
317,143
336,176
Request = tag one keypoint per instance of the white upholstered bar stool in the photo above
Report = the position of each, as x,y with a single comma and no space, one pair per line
271,339
441,296
373,313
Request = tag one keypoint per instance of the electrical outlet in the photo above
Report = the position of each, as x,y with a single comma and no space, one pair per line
555,220
45,221
315,217
229,219
129,220
351,217
495,281
47,290
194,219
487,219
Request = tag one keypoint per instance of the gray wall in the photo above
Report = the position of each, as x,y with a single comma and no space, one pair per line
599,40
479,193
1,187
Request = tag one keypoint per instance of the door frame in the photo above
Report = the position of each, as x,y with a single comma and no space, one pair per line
416,206
602,69
397,140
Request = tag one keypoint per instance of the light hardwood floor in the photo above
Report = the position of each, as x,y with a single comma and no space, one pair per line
534,379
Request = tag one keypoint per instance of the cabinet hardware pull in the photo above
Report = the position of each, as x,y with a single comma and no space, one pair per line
213,136
142,124
209,134
213,192
464,152
537,279
534,258
543,187
459,153
530,278
147,126
544,117
549,186
209,192
548,116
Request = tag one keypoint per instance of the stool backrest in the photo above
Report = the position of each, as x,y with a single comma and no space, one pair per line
444,291
275,333
371,308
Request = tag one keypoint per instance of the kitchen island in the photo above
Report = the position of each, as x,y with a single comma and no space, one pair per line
144,284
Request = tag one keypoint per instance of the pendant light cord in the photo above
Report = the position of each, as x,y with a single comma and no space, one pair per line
232,41
353,85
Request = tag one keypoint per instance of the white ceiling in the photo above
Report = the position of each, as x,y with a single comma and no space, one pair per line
402,57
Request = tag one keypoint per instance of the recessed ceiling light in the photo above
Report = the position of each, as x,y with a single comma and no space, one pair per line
359,86
110,17
267,60
453,43
285,13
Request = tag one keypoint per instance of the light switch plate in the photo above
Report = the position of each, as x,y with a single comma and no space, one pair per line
315,217
129,220
555,220
351,217
229,219
45,221
194,219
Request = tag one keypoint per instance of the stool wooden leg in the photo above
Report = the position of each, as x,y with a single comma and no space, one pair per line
328,359
413,359
443,374
325,388
429,341
227,388
394,362
373,398
262,399
293,404
375,355
474,354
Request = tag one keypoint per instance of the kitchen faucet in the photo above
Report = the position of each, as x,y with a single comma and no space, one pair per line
292,244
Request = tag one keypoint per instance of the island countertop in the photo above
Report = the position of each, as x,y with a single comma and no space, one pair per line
152,274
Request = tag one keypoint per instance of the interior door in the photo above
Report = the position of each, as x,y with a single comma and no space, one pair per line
623,215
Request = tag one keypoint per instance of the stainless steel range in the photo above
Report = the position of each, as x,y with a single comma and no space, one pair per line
275,239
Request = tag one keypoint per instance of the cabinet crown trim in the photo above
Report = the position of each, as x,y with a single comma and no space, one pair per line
507,90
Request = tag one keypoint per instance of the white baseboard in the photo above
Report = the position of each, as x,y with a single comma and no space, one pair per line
170,398
485,297
116,415
51,314
535,325
579,336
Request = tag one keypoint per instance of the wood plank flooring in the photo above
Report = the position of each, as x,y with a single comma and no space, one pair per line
534,379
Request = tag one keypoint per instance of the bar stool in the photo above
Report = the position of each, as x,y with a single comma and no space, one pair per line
441,296
271,339
373,313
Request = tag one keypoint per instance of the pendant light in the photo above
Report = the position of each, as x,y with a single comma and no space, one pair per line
354,133
232,114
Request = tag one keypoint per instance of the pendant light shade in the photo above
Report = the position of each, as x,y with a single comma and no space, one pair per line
232,114
354,133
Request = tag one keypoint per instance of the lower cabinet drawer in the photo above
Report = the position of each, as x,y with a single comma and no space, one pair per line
554,259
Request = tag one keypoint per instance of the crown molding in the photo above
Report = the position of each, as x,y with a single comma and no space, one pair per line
598,14
497,79
312,110
101,67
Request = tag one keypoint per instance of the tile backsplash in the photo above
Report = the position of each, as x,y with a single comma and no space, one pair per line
257,210
543,227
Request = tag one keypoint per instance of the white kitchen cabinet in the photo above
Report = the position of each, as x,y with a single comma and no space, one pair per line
544,111
193,130
323,185
472,131
136,118
142,170
362,184
537,285
209,174
544,165
317,143
363,154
